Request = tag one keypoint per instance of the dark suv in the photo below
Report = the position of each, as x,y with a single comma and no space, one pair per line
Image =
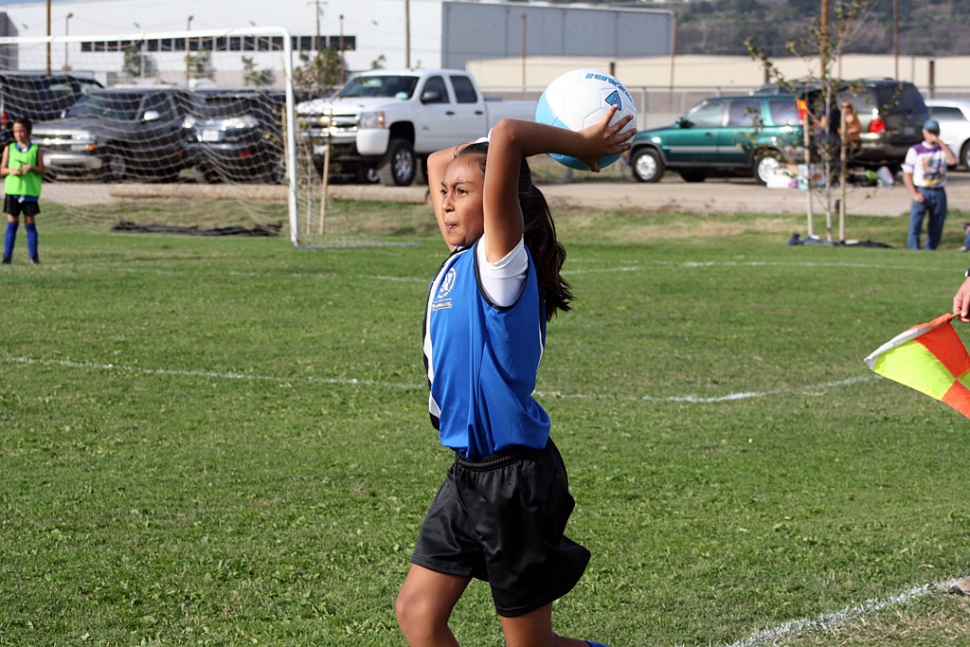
891,114
236,135
731,135
117,133
37,96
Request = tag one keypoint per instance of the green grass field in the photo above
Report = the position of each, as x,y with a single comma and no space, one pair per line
224,441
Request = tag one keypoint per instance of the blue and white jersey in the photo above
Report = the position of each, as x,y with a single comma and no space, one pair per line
482,361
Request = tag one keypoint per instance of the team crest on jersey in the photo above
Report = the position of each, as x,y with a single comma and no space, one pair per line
447,284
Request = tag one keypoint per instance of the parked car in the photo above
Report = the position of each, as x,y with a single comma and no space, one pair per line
118,133
722,136
236,135
890,112
37,96
954,118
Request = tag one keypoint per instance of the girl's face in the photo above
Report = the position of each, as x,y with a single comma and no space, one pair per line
462,214
20,134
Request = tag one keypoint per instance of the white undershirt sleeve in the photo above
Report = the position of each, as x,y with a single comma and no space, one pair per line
502,280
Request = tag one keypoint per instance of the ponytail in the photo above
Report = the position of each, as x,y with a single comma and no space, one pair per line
539,235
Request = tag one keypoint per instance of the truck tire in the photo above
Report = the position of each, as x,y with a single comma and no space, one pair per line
366,174
399,166
114,168
647,165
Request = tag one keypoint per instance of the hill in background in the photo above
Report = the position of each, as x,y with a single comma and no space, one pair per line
930,28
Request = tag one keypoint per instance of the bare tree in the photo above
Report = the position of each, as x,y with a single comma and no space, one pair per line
817,97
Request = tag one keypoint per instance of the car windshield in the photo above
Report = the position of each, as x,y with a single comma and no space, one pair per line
117,105
401,87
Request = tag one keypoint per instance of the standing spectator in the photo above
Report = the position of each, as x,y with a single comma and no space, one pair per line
853,128
22,165
924,174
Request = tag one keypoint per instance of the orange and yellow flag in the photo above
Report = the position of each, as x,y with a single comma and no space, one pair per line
930,358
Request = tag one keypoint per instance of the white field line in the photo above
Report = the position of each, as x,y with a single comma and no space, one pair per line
693,399
826,621
207,374
690,399
632,266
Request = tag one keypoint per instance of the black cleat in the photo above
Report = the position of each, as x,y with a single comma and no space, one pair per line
961,586
35,260
6,260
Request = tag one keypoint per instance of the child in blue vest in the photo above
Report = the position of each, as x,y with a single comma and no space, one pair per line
22,166
501,514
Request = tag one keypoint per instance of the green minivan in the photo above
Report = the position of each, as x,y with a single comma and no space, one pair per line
745,134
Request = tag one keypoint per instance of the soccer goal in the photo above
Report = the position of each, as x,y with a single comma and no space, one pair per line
188,128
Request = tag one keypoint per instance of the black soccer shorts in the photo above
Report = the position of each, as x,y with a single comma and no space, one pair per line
502,519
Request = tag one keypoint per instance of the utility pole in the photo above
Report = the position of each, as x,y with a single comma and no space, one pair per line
523,49
48,36
67,24
319,50
188,52
340,61
673,53
407,34
823,41
896,38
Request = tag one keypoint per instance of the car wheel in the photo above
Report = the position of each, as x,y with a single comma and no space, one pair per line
365,174
693,176
766,164
277,172
647,165
114,168
965,155
399,165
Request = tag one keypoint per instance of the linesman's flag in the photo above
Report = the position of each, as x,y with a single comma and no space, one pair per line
930,358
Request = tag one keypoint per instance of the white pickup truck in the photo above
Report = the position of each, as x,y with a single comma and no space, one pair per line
384,124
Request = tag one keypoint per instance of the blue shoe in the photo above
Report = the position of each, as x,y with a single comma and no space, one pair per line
592,644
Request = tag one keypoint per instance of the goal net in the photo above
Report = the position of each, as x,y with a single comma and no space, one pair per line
190,129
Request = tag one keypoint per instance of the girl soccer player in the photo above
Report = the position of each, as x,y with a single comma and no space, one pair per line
23,167
501,513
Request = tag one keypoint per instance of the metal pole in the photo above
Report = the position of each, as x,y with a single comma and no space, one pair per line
317,48
823,44
67,21
188,53
896,38
407,34
340,61
523,49
48,36
673,53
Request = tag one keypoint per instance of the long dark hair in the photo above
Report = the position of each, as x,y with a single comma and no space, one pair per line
539,235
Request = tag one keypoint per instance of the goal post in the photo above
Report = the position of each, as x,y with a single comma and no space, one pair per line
110,145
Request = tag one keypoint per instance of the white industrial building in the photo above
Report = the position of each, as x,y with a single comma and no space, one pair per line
93,34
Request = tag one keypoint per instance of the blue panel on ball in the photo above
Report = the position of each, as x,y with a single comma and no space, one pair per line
545,115
572,162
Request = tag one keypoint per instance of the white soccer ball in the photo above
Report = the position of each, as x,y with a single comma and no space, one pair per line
579,99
